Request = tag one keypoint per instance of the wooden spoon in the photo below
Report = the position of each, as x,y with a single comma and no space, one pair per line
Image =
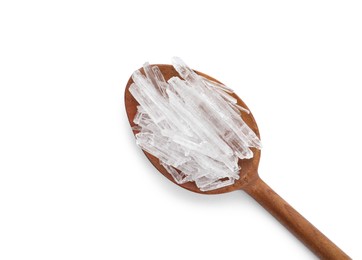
252,184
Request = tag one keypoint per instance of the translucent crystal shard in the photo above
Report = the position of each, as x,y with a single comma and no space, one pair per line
193,125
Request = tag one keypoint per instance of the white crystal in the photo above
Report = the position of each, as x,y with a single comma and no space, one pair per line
192,125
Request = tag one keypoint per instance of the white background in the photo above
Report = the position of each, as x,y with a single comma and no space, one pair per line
73,184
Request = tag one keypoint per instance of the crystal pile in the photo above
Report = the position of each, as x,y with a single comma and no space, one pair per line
192,125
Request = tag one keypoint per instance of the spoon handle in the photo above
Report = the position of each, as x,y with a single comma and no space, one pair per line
294,222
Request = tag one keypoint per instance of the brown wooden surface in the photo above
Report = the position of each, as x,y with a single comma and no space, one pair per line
293,221
252,184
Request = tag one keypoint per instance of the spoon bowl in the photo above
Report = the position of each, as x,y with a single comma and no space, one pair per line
250,182
249,167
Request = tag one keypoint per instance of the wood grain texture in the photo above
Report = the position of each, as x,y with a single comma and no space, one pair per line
294,222
251,183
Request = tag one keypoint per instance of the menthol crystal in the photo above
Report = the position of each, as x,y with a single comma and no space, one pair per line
192,125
